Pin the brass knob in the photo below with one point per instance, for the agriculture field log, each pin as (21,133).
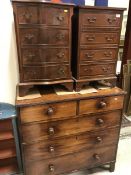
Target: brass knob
(96,156)
(90,38)
(98,139)
(27,16)
(102,104)
(29,36)
(51,149)
(60,36)
(91,20)
(51,168)
(60,18)
(60,55)
(51,131)
(50,111)
(100,121)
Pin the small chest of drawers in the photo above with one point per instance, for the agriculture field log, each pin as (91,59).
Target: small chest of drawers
(95,44)
(64,133)
(43,31)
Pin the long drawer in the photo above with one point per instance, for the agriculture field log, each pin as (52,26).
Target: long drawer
(98,54)
(102,69)
(100,104)
(71,144)
(33,14)
(51,130)
(99,38)
(69,163)
(100,19)
(46,73)
(47,112)
(44,55)
(47,36)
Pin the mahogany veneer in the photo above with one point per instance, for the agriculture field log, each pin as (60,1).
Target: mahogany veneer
(43,31)
(96,33)
(64,133)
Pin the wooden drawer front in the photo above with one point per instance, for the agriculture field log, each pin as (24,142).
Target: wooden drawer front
(39,56)
(68,145)
(47,112)
(6,125)
(57,16)
(8,166)
(94,19)
(44,36)
(99,38)
(98,54)
(76,161)
(39,131)
(97,69)
(46,73)
(100,104)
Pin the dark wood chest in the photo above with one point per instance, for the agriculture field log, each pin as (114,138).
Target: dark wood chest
(64,133)
(43,32)
(96,39)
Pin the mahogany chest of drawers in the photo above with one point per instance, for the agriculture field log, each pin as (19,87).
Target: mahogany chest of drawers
(64,133)
(95,44)
(43,31)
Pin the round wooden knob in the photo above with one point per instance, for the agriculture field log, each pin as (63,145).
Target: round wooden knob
(100,121)
(96,156)
(98,139)
(102,104)
(50,111)
(51,131)
(51,168)
(51,149)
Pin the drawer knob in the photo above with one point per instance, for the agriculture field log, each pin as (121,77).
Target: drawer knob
(50,111)
(61,72)
(51,149)
(89,55)
(96,156)
(51,131)
(111,20)
(99,139)
(60,18)
(29,36)
(51,168)
(92,20)
(31,56)
(60,36)
(109,38)
(90,38)
(102,104)
(27,16)
(108,54)
(60,55)
(100,121)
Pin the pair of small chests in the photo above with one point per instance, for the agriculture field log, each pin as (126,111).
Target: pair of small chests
(64,44)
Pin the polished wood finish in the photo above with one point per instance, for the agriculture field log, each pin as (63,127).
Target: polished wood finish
(95,44)
(43,32)
(64,133)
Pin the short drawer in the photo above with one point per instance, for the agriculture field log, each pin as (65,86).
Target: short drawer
(51,15)
(101,104)
(71,144)
(41,131)
(47,112)
(69,163)
(46,36)
(98,54)
(100,19)
(41,55)
(46,73)
(8,143)
(87,70)
(99,38)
